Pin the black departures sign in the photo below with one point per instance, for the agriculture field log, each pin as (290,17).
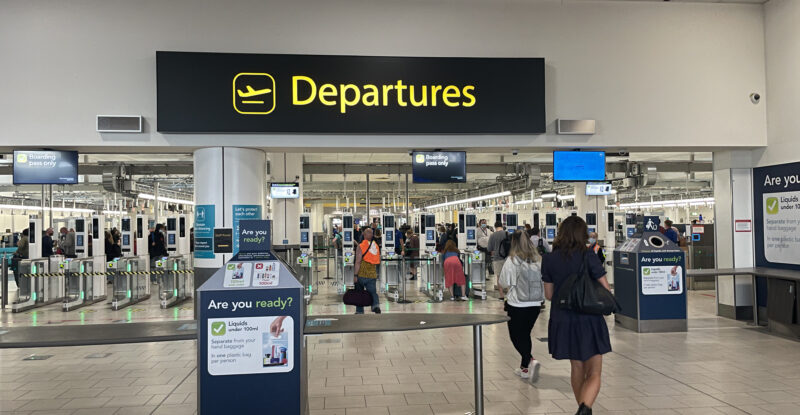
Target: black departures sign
(252,93)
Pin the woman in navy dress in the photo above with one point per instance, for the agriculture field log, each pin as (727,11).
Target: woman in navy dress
(581,338)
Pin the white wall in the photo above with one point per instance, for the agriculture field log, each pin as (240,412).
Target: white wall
(651,73)
(782,21)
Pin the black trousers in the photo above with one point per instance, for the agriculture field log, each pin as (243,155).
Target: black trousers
(519,329)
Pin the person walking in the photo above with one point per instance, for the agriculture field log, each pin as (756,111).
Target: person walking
(454,271)
(522,278)
(581,338)
(411,251)
(368,257)
(541,244)
(495,244)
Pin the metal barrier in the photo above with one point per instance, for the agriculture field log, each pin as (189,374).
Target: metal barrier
(432,277)
(476,271)
(131,281)
(83,286)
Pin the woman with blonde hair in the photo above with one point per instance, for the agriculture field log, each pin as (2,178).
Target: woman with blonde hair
(522,278)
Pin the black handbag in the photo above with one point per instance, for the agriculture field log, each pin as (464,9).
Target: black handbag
(583,294)
(357,297)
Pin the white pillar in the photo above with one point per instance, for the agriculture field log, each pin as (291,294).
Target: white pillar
(286,167)
(596,204)
(225,177)
(318,216)
(733,197)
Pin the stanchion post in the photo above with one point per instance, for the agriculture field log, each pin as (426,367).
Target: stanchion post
(5,283)
(477,340)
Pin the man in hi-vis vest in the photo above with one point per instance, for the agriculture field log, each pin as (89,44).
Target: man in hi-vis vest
(368,257)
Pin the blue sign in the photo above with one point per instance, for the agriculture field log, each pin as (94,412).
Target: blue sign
(243,212)
(204,222)
(631,231)
(551,233)
(651,223)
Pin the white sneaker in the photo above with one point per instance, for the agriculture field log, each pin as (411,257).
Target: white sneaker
(533,370)
(523,373)
(452,298)
(464,298)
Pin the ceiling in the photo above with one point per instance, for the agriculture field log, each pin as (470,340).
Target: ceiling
(703,1)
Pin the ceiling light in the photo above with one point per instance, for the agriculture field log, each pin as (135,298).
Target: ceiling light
(523,202)
(165,199)
(471,199)
(549,195)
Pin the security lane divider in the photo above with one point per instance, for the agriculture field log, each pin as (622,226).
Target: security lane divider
(91,274)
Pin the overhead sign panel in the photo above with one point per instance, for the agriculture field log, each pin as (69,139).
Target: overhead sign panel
(45,167)
(252,93)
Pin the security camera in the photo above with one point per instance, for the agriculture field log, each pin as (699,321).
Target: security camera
(410,152)
(514,152)
(755,97)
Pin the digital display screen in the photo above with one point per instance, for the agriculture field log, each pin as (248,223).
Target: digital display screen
(429,235)
(550,219)
(182,227)
(471,221)
(461,224)
(591,218)
(430,221)
(95,228)
(579,166)
(171,237)
(389,237)
(551,233)
(348,236)
(126,225)
(598,189)
(470,234)
(305,222)
(171,226)
(536,219)
(439,167)
(284,190)
(139,226)
(388,222)
(45,167)
(78,240)
(126,239)
(304,237)
(347,222)
(511,221)
(32,232)
(79,225)
(631,231)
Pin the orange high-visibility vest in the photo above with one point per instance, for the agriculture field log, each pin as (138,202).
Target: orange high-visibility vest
(370,252)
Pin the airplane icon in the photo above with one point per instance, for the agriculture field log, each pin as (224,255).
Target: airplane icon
(252,93)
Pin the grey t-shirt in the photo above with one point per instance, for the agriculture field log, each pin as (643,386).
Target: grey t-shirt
(494,244)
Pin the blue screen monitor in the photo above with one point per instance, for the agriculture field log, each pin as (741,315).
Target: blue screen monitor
(579,166)
(551,233)
(126,239)
(304,237)
(45,167)
(348,236)
(470,234)
(172,239)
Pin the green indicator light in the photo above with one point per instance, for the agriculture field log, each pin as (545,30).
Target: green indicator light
(82,295)
(33,269)
(175,292)
(83,317)
(470,307)
(81,267)
(309,289)
(129,293)
(130,314)
(175,266)
(129,267)
(387,287)
(35,318)
(429,286)
(469,284)
(175,313)
(33,296)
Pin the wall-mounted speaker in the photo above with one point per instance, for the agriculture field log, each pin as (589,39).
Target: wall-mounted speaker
(119,123)
(577,127)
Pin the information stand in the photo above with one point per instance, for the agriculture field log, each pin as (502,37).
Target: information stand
(251,354)
(650,282)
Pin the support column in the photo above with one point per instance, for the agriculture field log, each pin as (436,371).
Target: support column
(223,178)
(733,197)
(318,217)
(286,167)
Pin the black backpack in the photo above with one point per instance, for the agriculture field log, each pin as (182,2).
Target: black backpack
(540,247)
(505,247)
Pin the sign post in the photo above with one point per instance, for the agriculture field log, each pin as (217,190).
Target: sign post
(251,356)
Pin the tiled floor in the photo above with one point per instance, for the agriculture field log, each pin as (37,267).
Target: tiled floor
(719,367)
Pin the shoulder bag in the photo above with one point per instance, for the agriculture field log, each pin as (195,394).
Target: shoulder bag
(583,294)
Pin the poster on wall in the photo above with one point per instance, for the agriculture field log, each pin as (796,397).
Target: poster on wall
(204,221)
(243,212)
(776,194)
(662,274)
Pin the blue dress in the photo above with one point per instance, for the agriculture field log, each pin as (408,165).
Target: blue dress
(572,335)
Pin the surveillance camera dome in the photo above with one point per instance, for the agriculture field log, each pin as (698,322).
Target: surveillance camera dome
(755,97)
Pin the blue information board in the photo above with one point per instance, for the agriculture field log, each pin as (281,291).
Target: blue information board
(204,223)
(243,212)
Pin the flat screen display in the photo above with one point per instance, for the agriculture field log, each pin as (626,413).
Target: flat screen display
(591,219)
(579,166)
(388,222)
(78,240)
(182,227)
(45,167)
(430,221)
(348,236)
(598,189)
(32,232)
(305,222)
(439,167)
(79,225)
(304,237)
(139,227)
(126,239)
(347,222)
(284,190)
(171,240)
(171,226)
(126,225)
(471,221)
